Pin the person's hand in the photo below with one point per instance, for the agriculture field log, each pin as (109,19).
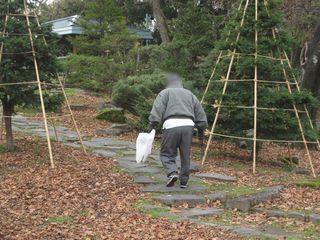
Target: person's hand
(200,133)
(151,125)
(207,133)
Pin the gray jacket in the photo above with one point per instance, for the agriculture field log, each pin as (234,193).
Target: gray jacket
(178,102)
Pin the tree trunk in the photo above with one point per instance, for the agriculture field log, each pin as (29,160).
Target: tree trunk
(8,109)
(310,63)
(161,23)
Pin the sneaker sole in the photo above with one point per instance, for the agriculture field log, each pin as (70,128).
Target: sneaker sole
(172,181)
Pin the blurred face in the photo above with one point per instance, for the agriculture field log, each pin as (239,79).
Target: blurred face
(173,80)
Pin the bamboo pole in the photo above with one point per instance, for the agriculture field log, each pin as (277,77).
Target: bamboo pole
(1,53)
(64,94)
(217,62)
(54,128)
(299,122)
(255,119)
(212,74)
(297,114)
(39,84)
(225,86)
(299,90)
(294,106)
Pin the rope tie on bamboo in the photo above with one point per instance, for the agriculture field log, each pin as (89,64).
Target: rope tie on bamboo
(260,139)
(217,105)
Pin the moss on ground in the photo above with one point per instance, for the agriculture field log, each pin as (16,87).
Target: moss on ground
(155,211)
(310,231)
(70,91)
(60,219)
(199,182)
(2,149)
(309,183)
(114,115)
(234,191)
(116,169)
(29,111)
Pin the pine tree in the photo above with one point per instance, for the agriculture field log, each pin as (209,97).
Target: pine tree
(194,29)
(17,65)
(105,32)
(278,123)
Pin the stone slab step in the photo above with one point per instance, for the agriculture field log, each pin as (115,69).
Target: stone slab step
(315,218)
(148,170)
(130,165)
(156,159)
(216,176)
(200,212)
(217,196)
(144,180)
(161,188)
(154,178)
(245,203)
(127,159)
(251,232)
(103,153)
(179,199)
(107,142)
(131,153)
(266,232)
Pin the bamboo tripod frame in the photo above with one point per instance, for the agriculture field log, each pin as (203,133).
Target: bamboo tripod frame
(41,85)
(282,59)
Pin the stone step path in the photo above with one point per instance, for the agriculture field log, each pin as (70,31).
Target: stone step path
(216,176)
(161,188)
(246,203)
(193,213)
(300,216)
(179,199)
(151,176)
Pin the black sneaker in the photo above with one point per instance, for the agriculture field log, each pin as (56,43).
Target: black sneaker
(183,185)
(172,179)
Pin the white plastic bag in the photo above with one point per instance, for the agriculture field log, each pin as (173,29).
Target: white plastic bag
(144,146)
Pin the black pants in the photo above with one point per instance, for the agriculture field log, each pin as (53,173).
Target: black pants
(172,140)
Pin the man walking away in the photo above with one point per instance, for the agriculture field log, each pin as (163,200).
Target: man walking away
(179,111)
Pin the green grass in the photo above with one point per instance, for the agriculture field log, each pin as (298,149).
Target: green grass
(70,91)
(116,169)
(154,212)
(28,111)
(2,149)
(120,153)
(234,191)
(40,162)
(199,182)
(84,213)
(61,219)
(311,183)
(311,232)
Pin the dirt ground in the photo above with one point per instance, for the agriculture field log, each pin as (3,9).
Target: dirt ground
(85,197)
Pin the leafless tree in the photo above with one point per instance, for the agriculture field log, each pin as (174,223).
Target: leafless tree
(310,63)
